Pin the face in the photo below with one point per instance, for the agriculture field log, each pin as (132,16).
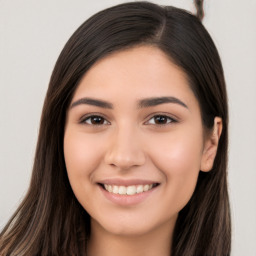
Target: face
(134,142)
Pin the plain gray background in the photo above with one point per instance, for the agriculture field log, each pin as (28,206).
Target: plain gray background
(32,34)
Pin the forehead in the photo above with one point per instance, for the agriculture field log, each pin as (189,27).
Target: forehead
(139,72)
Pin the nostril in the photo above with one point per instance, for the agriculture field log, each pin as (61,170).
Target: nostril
(125,155)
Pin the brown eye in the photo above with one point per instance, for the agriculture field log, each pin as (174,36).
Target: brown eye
(161,120)
(95,120)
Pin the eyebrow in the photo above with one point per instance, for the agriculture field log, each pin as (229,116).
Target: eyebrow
(93,102)
(150,102)
(144,103)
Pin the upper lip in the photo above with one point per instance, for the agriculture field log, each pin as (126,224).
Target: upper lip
(122,182)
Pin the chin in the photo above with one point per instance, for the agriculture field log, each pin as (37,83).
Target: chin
(130,225)
(129,230)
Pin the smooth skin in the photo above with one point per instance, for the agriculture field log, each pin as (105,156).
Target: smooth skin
(125,139)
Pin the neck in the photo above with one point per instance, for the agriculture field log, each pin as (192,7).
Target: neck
(154,242)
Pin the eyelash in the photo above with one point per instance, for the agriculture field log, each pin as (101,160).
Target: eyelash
(171,120)
(84,119)
(89,117)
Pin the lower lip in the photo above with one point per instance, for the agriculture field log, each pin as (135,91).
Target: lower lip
(127,200)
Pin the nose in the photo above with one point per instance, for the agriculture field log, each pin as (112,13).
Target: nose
(125,150)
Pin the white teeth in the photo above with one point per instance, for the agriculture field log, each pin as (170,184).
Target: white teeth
(145,188)
(129,190)
(122,190)
(114,189)
(139,189)
(110,188)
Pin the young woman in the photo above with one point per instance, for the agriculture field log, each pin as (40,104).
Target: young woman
(132,151)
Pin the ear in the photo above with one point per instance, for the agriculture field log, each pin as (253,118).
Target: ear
(211,146)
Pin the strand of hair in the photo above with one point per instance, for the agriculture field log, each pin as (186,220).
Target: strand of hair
(199,9)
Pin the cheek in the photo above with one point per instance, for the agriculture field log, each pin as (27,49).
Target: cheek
(177,153)
(81,157)
(178,158)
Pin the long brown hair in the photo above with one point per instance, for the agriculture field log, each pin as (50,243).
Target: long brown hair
(50,221)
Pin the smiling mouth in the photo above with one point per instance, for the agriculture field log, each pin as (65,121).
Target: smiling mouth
(128,190)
